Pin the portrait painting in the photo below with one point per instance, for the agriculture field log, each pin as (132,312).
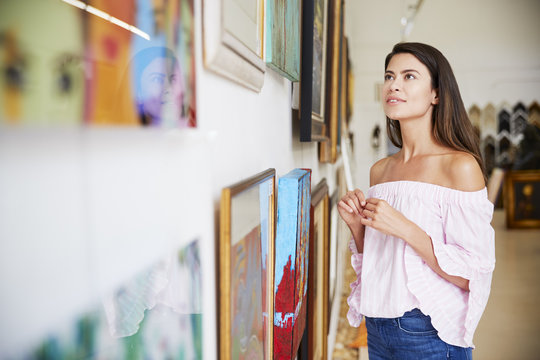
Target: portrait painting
(126,62)
(144,76)
(522,198)
(42,81)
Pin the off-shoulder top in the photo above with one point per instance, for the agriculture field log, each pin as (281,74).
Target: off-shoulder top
(392,279)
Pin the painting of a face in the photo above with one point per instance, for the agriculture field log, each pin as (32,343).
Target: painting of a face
(161,92)
(61,64)
(41,69)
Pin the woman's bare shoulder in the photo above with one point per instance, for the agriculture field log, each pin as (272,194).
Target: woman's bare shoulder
(463,171)
(378,169)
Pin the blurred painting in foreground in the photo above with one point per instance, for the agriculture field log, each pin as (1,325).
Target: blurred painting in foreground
(125,62)
(155,315)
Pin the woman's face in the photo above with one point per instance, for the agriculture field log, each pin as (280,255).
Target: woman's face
(161,90)
(407,91)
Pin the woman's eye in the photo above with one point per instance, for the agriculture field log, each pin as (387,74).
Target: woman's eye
(410,77)
(388,77)
(158,79)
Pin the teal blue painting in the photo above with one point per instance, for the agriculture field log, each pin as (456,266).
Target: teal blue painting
(291,264)
(283,37)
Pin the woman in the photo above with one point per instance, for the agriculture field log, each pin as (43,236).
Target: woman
(423,247)
(159,87)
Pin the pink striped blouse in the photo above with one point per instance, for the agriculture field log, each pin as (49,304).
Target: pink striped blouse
(392,279)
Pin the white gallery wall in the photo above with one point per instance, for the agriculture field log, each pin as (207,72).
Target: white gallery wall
(83,209)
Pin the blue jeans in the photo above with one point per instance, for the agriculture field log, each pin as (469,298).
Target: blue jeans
(410,337)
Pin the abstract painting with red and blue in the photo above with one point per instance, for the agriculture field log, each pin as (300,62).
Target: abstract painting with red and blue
(291,262)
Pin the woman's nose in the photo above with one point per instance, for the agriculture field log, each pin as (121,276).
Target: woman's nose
(395,85)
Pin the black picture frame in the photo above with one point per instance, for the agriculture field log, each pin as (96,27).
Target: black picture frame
(312,124)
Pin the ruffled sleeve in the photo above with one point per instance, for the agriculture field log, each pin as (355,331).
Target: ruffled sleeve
(353,315)
(465,247)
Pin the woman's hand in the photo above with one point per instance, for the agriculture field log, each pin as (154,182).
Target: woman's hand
(382,217)
(350,209)
(379,215)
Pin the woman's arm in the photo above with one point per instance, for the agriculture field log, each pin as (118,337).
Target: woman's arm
(384,218)
(420,241)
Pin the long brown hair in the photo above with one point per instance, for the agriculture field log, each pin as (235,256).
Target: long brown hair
(450,122)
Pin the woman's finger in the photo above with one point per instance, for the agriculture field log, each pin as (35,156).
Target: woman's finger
(373,201)
(368,213)
(370,206)
(345,207)
(356,202)
(366,222)
(353,205)
(360,196)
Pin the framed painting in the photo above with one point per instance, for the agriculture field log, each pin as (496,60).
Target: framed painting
(234,40)
(328,149)
(246,251)
(318,276)
(145,76)
(291,262)
(522,199)
(313,71)
(283,37)
(155,314)
(41,57)
(126,62)
(339,236)
(350,86)
(334,282)
(349,163)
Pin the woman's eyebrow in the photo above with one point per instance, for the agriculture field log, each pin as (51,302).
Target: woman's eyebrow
(410,70)
(403,71)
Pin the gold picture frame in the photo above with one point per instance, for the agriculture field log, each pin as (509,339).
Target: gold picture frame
(318,278)
(522,198)
(246,268)
(328,149)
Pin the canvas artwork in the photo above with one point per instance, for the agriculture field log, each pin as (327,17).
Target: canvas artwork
(234,40)
(283,37)
(522,199)
(127,62)
(318,277)
(333,246)
(291,262)
(329,149)
(246,269)
(313,77)
(42,79)
(157,314)
(144,76)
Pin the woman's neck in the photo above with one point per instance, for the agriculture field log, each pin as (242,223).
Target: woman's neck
(418,139)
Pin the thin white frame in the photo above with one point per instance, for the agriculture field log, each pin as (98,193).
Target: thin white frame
(224,54)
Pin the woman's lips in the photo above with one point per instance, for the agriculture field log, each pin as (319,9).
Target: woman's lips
(394,100)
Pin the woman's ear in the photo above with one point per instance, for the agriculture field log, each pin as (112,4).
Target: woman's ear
(435,100)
